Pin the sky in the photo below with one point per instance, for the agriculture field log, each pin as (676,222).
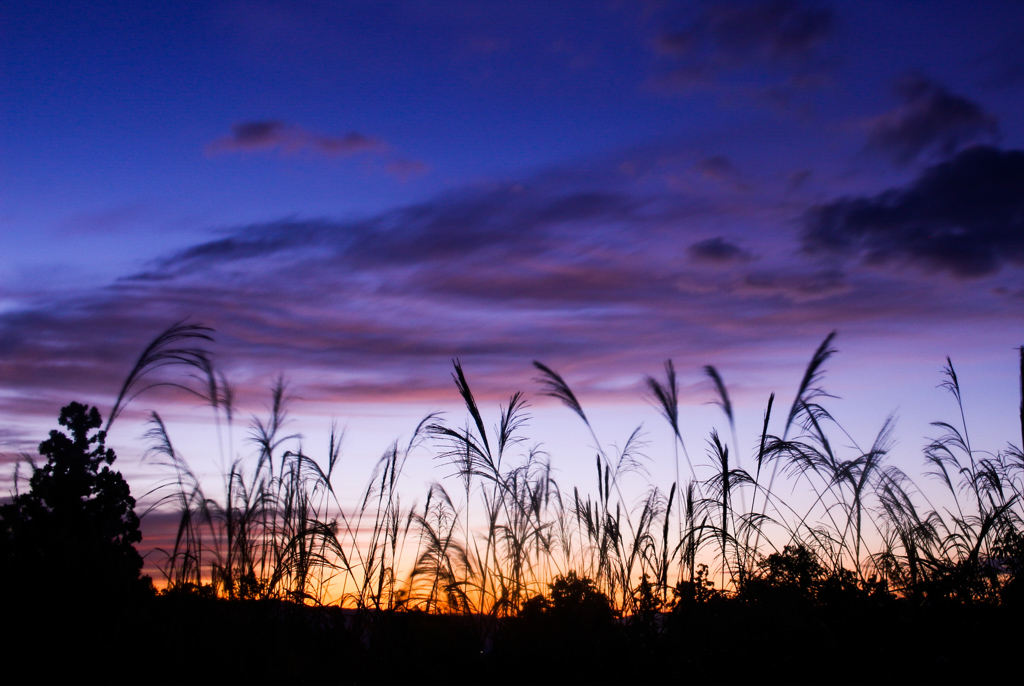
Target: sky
(354,194)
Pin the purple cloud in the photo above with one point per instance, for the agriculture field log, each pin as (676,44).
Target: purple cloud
(717,167)
(565,265)
(931,122)
(772,31)
(799,286)
(732,37)
(717,251)
(250,136)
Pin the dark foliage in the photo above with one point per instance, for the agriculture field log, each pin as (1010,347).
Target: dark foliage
(699,590)
(567,632)
(793,575)
(77,523)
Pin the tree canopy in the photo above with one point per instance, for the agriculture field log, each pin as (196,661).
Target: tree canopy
(75,529)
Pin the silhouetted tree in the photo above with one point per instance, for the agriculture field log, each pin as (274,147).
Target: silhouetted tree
(567,633)
(573,599)
(74,532)
(792,576)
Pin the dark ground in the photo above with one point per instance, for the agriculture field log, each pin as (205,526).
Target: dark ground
(187,638)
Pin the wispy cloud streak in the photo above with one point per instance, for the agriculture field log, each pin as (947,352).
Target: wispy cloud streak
(573,263)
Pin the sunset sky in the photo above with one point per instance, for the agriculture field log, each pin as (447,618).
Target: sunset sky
(353,194)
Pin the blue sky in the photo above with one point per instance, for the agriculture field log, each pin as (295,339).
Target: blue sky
(354,194)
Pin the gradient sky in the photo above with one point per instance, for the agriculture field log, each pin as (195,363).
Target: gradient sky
(355,193)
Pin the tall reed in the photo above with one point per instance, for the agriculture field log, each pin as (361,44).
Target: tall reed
(498,528)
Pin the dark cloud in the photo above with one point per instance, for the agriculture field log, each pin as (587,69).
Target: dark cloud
(256,134)
(510,223)
(721,169)
(732,36)
(764,31)
(248,242)
(798,286)
(964,216)
(717,251)
(717,167)
(289,139)
(930,122)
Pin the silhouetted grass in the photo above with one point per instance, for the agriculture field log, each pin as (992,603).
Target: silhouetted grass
(511,529)
(500,568)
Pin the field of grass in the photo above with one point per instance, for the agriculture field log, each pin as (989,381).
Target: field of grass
(500,530)
(500,562)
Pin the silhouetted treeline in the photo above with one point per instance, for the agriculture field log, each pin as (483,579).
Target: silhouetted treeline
(165,638)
